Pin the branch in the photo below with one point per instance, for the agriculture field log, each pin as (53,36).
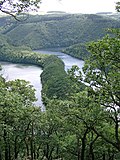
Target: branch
(15,15)
(11,14)
(106,139)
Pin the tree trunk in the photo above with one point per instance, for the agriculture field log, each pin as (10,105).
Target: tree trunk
(83,139)
(6,145)
(31,149)
(27,148)
(15,148)
(31,142)
(117,134)
(9,153)
(91,153)
(104,156)
(78,148)
(47,151)
(83,148)
(0,154)
(38,152)
(34,154)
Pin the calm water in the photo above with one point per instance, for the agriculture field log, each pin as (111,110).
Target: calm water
(32,73)
(68,60)
(29,73)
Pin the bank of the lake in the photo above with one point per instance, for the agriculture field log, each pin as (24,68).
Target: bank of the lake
(32,73)
(68,60)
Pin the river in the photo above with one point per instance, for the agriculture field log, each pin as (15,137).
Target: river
(69,61)
(29,73)
(32,73)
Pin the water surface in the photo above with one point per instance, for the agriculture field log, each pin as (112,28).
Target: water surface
(29,73)
(68,60)
(32,73)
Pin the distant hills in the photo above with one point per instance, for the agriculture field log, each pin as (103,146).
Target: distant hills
(56,12)
(104,13)
(57,30)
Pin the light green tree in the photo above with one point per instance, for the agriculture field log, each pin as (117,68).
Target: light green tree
(102,73)
(18,119)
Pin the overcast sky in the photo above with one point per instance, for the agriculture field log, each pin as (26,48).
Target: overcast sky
(78,6)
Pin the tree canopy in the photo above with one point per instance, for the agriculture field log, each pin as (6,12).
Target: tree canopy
(118,6)
(78,124)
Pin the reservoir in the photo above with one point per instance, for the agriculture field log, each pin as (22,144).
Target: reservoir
(32,73)
(69,61)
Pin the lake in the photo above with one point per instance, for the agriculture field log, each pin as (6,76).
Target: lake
(69,61)
(32,73)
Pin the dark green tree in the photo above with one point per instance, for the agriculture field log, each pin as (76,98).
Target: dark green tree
(118,6)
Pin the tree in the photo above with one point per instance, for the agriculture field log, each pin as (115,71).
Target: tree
(118,6)
(68,129)
(102,73)
(18,119)
(14,7)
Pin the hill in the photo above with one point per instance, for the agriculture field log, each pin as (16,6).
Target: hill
(77,50)
(58,30)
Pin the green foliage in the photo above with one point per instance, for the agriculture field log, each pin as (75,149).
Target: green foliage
(3,41)
(80,122)
(75,120)
(17,113)
(118,6)
(60,30)
(55,81)
(103,74)
(78,51)
(21,54)
(90,119)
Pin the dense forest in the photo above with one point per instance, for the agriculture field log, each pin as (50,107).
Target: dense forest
(82,116)
(60,30)
(78,50)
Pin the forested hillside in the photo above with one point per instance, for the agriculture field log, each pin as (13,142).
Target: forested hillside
(77,50)
(81,122)
(60,30)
